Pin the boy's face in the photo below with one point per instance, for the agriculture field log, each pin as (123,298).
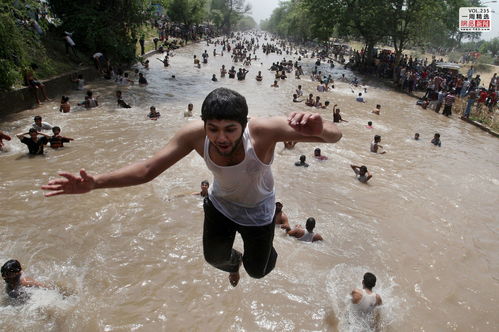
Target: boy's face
(225,135)
(56,132)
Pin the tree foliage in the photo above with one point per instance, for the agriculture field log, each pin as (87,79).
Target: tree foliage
(100,25)
(188,12)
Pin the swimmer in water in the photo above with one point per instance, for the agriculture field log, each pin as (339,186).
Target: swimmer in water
(12,275)
(299,233)
(365,300)
(214,78)
(377,110)
(295,99)
(289,145)
(302,162)
(259,77)
(375,146)
(416,136)
(120,101)
(205,185)
(361,173)
(188,111)
(57,141)
(318,155)
(275,85)
(436,140)
(153,114)
(369,125)
(280,218)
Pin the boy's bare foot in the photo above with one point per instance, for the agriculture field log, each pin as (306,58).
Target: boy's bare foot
(234,278)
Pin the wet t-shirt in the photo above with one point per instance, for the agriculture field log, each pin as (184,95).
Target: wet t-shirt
(35,147)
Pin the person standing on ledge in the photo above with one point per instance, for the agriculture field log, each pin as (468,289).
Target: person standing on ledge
(240,155)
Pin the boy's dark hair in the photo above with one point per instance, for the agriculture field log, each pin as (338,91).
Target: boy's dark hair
(37,117)
(225,104)
(32,130)
(11,266)
(370,123)
(205,182)
(369,280)
(310,225)
(56,128)
(437,135)
(362,170)
(89,93)
(377,138)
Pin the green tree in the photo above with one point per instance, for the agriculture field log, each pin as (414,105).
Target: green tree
(100,25)
(188,12)
(231,10)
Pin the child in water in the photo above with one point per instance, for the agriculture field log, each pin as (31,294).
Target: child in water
(12,275)
(436,140)
(361,173)
(302,161)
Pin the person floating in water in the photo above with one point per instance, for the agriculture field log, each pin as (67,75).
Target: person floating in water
(365,300)
(35,144)
(280,218)
(57,141)
(318,155)
(15,282)
(302,162)
(416,136)
(436,140)
(375,146)
(153,114)
(205,185)
(239,201)
(361,173)
(299,233)
(120,101)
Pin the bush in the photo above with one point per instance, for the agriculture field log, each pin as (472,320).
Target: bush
(8,74)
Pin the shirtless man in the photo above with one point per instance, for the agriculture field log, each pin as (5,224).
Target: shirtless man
(377,110)
(280,218)
(188,111)
(375,146)
(12,275)
(299,233)
(239,201)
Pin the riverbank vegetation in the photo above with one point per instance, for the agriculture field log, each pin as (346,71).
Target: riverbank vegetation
(401,24)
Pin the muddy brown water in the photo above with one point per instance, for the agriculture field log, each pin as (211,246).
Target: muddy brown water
(131,259)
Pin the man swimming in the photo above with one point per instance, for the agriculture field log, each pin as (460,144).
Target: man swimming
(299,233)
(239,201)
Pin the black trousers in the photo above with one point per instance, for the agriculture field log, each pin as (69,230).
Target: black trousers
(219,232)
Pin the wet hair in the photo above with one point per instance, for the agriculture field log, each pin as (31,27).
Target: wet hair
(317,150)
(370,123)
(56,128)
(362,170)
(437,135)
(152,108)
(360,94)
(11,266)
(378,106)
(225,104)
(310,224)
(377,138)
(38,118)
(89,93)
(369,280)
(326,102)
(32,130)
(303,158)
(295,95)
(205,183)
(64,99)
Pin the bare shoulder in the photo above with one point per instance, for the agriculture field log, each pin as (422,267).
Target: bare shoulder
(378,300)
(356,295)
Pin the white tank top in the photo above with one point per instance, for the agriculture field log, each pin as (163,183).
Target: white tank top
(367,302)
(244,193)
(307,237)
